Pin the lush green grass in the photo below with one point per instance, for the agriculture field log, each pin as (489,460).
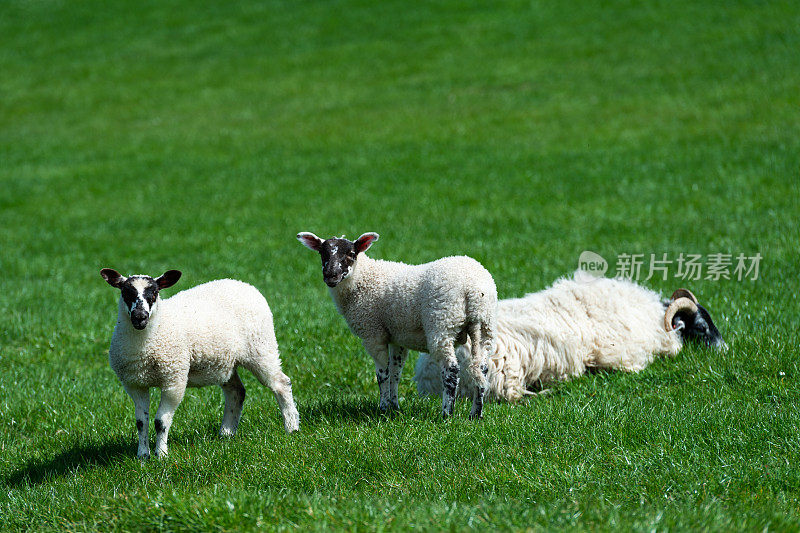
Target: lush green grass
(151,135)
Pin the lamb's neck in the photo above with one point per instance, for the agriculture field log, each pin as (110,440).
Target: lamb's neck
(357,283)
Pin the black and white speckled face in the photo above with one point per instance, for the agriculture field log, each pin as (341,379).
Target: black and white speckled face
(338,257)
(140,293)
(338,254)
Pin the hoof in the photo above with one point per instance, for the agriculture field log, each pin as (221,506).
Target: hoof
(291,422)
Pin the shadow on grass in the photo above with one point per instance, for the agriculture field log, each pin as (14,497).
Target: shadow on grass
(83,456)
(78,457)
(345,409)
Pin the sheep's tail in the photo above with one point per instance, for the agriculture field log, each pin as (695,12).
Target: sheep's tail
(481,337)
(481,310)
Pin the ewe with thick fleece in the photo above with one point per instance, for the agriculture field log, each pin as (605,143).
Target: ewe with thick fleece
(579,323)
(196,338)
(394,307)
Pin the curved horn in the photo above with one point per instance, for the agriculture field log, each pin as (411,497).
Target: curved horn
(681,304)
(684,293)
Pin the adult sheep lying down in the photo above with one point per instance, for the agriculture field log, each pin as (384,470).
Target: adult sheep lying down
(581,323)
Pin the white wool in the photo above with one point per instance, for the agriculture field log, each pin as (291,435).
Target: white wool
(412,305)
(553,335)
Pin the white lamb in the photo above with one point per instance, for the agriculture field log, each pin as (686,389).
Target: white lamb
(581,323)
(197,337)
(394,307)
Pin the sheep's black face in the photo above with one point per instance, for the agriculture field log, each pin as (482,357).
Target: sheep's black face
(338,257)
(140,293)
(338,254)
(699,327)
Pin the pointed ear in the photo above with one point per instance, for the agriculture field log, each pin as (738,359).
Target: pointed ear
(112,277)
(365,241)
(168,279)
(309,240)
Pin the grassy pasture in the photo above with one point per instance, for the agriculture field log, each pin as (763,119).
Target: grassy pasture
(150,135)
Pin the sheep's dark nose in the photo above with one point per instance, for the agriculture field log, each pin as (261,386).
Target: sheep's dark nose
(139,319)
(332,276)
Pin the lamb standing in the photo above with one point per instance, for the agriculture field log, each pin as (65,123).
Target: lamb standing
(197,337)
(394,307)
(581,323)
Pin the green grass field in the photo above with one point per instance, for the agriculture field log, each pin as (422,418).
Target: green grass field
(149,135)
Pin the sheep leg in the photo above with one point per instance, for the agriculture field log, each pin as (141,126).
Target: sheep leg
(477,371)
(141,401)
(445,352)
(380,354)
(281,386)
(171,398)
(397,358)
(234,393)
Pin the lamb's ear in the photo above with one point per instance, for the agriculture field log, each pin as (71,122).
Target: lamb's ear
(309,240)
(112,277)
(365,241)
(168,279)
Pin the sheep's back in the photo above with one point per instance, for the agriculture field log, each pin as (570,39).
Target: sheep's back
(219,316)
(456,280)
(618,321)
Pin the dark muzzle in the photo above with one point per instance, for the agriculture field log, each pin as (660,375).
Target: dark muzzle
(139,319)
(332,277)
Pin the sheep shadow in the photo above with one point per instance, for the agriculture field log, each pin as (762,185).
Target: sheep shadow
(350,409)
(80,457)
(76,458)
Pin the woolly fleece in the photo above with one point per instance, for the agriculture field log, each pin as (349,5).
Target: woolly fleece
(578,323)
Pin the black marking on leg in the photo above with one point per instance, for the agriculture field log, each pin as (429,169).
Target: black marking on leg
(450,385)
(139,424)
(382,376)
(485,370)
(450,380)
(159,425)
